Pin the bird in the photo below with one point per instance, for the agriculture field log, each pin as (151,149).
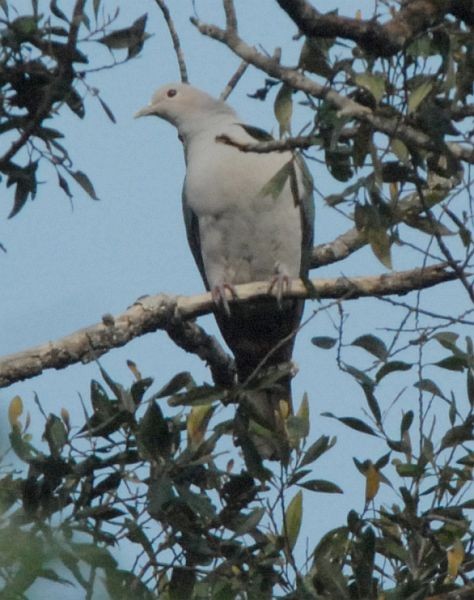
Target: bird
(249,217)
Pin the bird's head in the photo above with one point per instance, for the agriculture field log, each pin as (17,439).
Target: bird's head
(180,103)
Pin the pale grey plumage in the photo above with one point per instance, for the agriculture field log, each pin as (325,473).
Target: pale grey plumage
(238,233)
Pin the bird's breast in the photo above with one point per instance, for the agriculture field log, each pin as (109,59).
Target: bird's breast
(245,234)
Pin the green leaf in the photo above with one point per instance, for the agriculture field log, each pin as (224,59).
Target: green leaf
(459,434)
(55,434)
(63,184)
(25,180)
(198,395)
(409,470)
(400,150)
(297,429)
(372,344)
(303,415)
(447,339)
(258,134)
(418,95)
(314,55)
(330,578)
(84,182)
(319,447)
(139,389)
(57,12)
(390,367)
(373,404)
(427,225)
(375,84)
(380,244)
(321,485)
(250,521)
(154,438)
(452,363)
(353,423)
(324,342)
(94,555)
(362,141)
(359,375)
(75,103)
(406,422)
(291,481)
(275,185)
(131,37)
(398,445)
(470,387)
(293,518)
(175,384)
(119,583)
(283,108)
(427,385)
(160,494)
(467,460)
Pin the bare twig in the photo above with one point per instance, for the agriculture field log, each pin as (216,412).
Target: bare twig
(175,38)
(234,80)
(153,313)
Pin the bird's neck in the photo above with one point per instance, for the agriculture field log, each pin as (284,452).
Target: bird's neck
(203,128)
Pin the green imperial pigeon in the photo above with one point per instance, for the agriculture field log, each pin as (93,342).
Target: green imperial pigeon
(249,217)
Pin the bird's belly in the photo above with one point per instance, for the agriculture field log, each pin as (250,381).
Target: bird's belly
(241,247)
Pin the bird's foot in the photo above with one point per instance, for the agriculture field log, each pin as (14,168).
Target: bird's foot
(218,294)
(279,283)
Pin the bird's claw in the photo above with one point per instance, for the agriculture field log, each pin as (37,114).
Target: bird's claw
(279,284)
(218,294)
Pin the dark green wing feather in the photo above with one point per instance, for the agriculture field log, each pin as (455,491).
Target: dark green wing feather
(307,215)
(192,233)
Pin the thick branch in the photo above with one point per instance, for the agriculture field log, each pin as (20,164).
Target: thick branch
(381,39)
(152,313)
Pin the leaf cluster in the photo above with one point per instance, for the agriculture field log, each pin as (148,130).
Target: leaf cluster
(43,67)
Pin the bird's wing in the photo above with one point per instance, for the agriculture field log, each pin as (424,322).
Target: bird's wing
(192,233)
(303,189)
(307,210)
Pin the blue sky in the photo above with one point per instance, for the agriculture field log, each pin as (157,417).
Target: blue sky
(69,264)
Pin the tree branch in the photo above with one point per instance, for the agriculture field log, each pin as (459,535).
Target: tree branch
(393,127)
(175,39)
(163,312)
(234,80)
(385,39)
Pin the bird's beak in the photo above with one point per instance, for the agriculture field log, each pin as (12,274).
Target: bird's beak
(146,111)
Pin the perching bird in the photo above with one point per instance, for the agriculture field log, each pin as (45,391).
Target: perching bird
(249,217)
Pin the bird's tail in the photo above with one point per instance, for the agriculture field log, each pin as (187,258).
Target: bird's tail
(262,335)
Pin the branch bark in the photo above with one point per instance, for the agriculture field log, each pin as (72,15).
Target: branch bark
(165,312)
(381,39)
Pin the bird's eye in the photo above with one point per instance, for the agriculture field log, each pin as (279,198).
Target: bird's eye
(171,92)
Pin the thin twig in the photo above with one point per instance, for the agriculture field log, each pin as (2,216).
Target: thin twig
(234,80)
(175,38)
